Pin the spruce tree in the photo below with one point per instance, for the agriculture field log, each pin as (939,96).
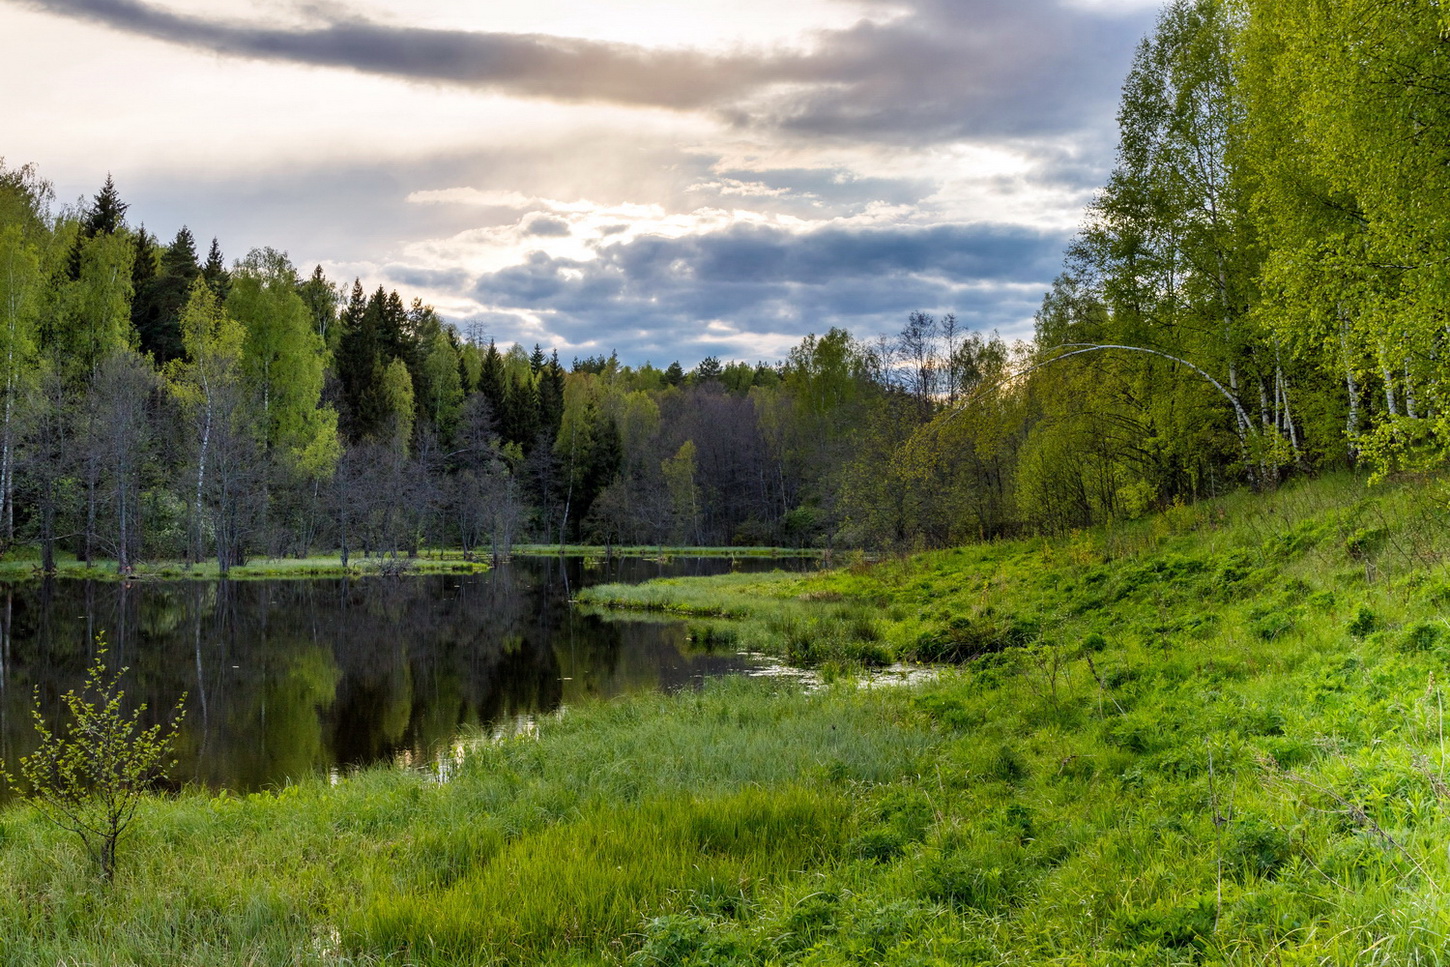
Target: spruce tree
(215,271)
(490,379)
(521,413)
(104,216)
(107,214)
(360,364)
(143,266)
(393,342)
(551,397)
(156,309)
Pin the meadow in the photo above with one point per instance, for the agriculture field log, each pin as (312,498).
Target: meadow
(1212,736)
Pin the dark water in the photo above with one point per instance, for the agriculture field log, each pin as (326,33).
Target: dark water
(290,678)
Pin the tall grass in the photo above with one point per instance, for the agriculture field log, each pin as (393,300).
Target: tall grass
(534,847)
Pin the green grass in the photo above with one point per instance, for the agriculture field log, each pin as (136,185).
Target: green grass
(778,613)
(533,849)
(23,563)
(1215,736)
(432,562)
(662,551)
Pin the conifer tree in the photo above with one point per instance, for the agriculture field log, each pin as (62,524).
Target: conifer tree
(143,266)
(551,396)
(214,270)
(520,412)
(392,327)
(104,216)
(491,379)
(359,368)
(156,308)
(107,214)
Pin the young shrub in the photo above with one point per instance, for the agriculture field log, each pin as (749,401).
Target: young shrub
(90,777)
(1364,622)
(1420,637)
(1256,848)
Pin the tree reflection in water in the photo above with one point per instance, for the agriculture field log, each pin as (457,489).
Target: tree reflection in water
(293,678)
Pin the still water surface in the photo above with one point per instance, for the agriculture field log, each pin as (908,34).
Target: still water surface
(290,678)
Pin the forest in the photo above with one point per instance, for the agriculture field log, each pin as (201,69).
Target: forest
(1257,292)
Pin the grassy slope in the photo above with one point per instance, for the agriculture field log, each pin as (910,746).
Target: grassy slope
(1211,737)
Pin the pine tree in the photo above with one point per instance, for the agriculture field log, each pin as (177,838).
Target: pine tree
(708,369)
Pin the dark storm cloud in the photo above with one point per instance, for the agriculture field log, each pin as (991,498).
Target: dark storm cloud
(946,69)
(655,297)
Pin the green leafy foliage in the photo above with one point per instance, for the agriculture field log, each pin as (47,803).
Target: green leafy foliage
(90,776)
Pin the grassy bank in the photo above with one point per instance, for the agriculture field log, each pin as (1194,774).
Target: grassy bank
(1215,736)
(25,567)
(23,563)
(663,551)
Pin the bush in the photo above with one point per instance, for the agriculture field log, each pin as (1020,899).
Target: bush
(1364,622)
(90,778)
(1256,848)
(1420,637)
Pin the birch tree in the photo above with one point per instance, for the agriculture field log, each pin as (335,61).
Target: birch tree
(208,385)
(283,361)
(1348,110)
(20,285)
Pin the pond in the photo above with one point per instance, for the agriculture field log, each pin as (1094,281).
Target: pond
(286,679)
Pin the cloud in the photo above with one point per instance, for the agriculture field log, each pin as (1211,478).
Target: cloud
(943,69)
(561,68)
(753,291)
(547,227)
(490,198)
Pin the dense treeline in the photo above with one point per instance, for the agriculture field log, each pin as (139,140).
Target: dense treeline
(1259,290)
(162,405)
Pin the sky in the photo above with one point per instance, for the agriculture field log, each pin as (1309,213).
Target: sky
(664,179)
